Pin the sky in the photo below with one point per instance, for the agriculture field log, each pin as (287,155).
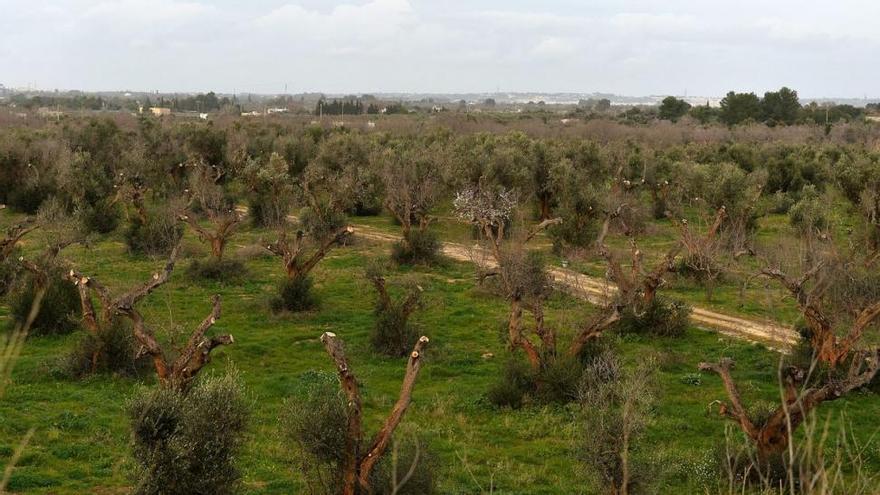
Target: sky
(627,47)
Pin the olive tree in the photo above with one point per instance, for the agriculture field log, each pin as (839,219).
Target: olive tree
(413,186)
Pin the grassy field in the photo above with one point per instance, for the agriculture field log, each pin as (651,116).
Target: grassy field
(82,439)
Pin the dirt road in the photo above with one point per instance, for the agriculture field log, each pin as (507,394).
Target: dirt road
(597,291)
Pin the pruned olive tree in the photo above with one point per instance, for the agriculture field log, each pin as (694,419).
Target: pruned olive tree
(617,406)
(270,190)
(522,277)
(303,243)
(413,186)
(44,272)
(217,206)
(359,459)
(703,249)
(841,358)
(175,368)
(771,435)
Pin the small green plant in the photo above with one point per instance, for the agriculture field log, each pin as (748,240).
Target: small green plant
(153,235)
(176,449)
(393,334)
(112,350)
(294,294)
(59,313)
(661,317)
(227,271)
(315,421)
(511,388)
(418,247)
(693,379)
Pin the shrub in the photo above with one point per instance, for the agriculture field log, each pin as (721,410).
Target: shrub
(511,388)
(155,237)
(558,380)
(59,311)
(810,214)
(316,422)
(176,449)
(321,226)
(101,218)
(9,271)
(228,271)
(419,246)
(294,294)
(115,348)
(28,199)
(266,210)
(393,334)
(661,318)
(615,405)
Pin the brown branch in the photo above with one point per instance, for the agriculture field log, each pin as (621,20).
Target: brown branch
(196,354)
(324,248)
(132,297)
(594,330)
(382,439)
(347,380)
(13,235)
(735,411)
(150,344)
(540,227)
(378,282)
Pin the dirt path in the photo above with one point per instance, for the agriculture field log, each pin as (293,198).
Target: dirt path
(597,291)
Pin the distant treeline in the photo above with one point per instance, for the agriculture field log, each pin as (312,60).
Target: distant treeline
(781,107)
(203,102)
(355,106)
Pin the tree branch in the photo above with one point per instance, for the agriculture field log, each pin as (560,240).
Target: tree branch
(380,443)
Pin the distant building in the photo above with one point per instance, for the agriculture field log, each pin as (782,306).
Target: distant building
(251,114)
(161,111)
(270,111)
(49,113)
(203,116)
(371,125)
(872,118)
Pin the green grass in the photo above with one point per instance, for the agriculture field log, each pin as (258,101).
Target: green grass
(82,439)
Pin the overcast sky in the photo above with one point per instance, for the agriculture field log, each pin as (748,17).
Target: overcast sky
(631,47)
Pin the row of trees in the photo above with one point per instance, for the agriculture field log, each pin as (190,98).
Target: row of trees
(774,108)
(512,189)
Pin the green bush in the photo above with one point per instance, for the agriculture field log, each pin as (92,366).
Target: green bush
(156,236)
(810,214)
(316,422)
(60,309)
(27,199)
(558,380)
(515,382)
(10,269)
(101,218)
(227,271)
(294,294)
(115,348)
(661,317)
(187,442)
(266,210)
(393,334)
(418,247)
